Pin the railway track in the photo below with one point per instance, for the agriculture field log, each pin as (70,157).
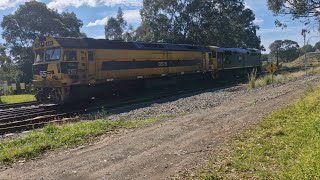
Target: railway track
(18,116)
(27,118)
(17,105)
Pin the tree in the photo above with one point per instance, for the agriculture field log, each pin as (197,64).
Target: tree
(264,57)
(297,8)
(306,9)
(31,20)
(130,34)
(290,50)
(114,29)
(285,50)
(8,71)
(317,46)
(4,58)
(218,22)
(307,48)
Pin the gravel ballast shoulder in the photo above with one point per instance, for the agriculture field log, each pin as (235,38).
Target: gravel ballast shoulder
(177,106)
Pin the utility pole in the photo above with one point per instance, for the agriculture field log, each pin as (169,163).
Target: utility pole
(304,34)
(277,63)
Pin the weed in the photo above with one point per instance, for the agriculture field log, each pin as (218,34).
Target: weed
(252,77)
(267,79)
(104,112)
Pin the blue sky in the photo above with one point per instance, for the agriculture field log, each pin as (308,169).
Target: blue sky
(94,14)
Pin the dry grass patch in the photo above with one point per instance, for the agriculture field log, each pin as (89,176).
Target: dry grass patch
(267,80)
(312,59)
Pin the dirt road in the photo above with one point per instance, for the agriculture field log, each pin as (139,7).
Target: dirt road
(164,148)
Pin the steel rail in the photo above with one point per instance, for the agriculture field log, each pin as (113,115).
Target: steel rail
(16,105)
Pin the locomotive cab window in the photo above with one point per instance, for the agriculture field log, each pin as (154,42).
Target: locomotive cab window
(39,56)
(53,54)
(70,56)
(90,56)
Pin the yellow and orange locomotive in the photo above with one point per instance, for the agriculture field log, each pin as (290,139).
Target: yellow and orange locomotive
(67,69)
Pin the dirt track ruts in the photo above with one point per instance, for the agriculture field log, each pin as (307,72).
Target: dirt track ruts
(164,148)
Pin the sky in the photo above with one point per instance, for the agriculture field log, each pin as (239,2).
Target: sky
(95,13)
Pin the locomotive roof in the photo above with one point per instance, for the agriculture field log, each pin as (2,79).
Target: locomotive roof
(89,43)
(239,50)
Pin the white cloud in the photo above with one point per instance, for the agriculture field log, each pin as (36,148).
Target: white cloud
(258,21)
(124,2)
(247,6)
(6,4)
(253,4)
(61,4)
(279,30)
(98,22)
(131,16)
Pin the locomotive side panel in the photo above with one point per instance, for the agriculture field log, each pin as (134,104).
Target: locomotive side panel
(234,58)
(114,65)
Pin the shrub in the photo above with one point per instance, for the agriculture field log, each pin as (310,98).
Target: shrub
(267,79)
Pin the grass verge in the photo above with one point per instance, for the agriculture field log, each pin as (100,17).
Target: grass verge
(267,80)
(17,98)
(285,146)
(53,136)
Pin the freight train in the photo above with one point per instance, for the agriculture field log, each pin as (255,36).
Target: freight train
(68,69)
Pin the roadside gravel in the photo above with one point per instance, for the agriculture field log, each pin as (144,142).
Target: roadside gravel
(182,105)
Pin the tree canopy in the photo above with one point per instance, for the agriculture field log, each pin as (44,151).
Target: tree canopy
(286,50)
(308,9)
(31,20)
(215,22)
(8,71)
(317,46)
(4,58)
(115,27)
(307,48)
(296,8)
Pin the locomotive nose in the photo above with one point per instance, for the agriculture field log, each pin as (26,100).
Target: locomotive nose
(46,71)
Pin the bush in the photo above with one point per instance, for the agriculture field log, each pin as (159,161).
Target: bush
(267,79)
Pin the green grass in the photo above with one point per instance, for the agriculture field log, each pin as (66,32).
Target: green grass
(17,98)
(53,136)
(286,145)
